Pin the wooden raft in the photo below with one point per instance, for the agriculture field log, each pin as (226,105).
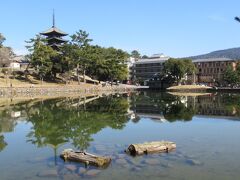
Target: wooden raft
(87,158)
(151,147)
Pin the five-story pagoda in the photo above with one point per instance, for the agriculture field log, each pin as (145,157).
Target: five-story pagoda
(54,36)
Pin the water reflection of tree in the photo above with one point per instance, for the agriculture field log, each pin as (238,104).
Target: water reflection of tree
(8,121)
(7,124)
(3,144)
(171,107)
(57,121)
(179,111)
(232,103)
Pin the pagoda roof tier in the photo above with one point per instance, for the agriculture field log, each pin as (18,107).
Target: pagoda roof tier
(52,31)
(56,39)
(55,46)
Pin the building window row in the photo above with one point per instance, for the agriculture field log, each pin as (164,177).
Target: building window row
(148,70)
(211,70)
(213,64)
(149,65)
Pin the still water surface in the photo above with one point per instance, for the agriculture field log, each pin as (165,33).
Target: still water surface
(206,130)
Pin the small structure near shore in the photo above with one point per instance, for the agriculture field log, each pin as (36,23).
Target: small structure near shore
(83,157)
(151,147)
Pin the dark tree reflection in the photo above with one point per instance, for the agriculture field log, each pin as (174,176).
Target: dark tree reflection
(56,122)
(163,105)
(3,144)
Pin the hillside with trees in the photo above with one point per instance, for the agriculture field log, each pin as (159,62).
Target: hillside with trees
(233,53)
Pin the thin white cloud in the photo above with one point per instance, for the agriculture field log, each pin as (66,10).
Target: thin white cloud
(217,18)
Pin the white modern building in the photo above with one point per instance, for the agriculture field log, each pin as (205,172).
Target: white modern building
(130,63)
(144,69)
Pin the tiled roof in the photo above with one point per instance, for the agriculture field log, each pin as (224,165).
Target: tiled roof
(212,60)
(54,29)
(155,60)
(57,38)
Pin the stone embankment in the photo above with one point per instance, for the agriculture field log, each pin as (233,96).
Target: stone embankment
(62,90)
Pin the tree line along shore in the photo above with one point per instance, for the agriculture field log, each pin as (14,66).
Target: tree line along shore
(75,60)
(53,61)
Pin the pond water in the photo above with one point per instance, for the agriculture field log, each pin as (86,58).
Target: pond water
(206,130)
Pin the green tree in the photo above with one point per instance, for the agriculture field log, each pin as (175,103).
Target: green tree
(6,55)
(231,76)
(42,57)
(238,69)
(106,63)
(98,62)
(115,59)
(145,57)
(67,61)
(190,67)
(81,42)
(81,39)
(99,67)
(2,39)
(135,54)
(178,68)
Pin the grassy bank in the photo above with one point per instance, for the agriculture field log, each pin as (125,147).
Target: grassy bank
(188,88)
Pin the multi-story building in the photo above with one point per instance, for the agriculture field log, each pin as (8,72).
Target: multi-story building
(144,69)
(130,62)
(212,70)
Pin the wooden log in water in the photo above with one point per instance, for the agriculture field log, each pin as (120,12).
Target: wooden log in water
(151,147)
(87,158)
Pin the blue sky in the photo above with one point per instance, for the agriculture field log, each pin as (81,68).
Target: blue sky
(176,28)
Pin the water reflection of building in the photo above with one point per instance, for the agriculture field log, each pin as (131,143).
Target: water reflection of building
(211,106)
(182,108)
(148,111)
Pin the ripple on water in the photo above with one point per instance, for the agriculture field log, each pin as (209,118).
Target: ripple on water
(71,167)
(82,170)
(152,161)
(93,172)
(48,173)
(121,161)
(194,162)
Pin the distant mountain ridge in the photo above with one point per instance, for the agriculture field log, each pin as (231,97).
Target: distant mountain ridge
(233,53)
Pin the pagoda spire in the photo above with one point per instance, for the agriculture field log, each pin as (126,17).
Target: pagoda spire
(54,35)
(53,19)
